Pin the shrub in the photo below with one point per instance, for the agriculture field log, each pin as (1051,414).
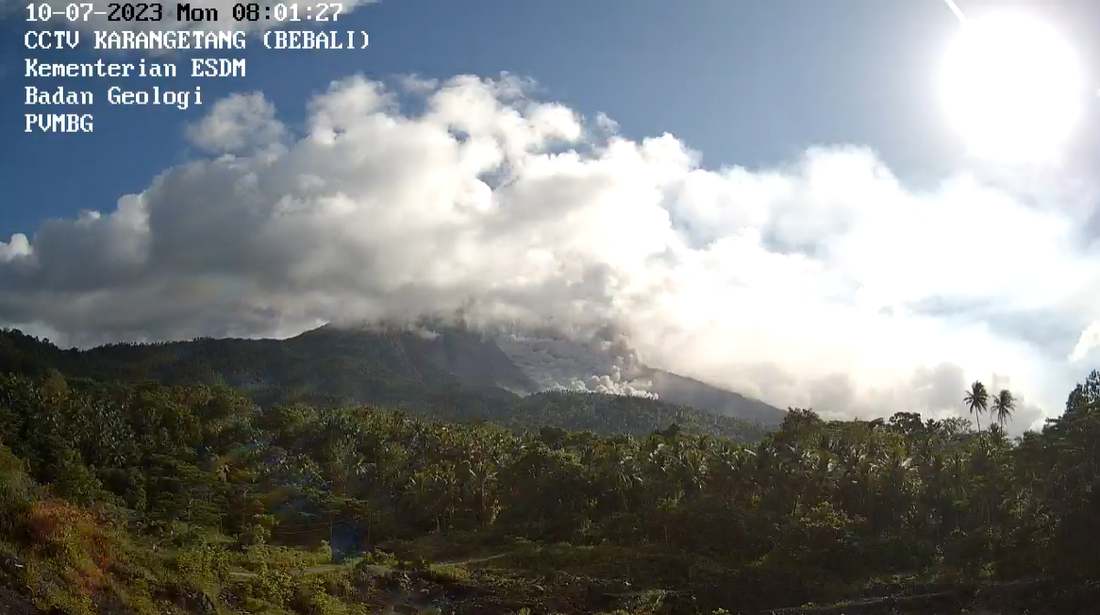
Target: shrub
(16,495)
(72,479)
(203,566)
(310,598)
(74,538)
(379,558)
(271,586)
(15,506)
(253,535)
(324,553)
(449,573)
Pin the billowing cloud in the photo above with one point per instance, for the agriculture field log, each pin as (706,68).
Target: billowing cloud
(610,384)
(17,247)
(554,361)
(239,122)
(824,282)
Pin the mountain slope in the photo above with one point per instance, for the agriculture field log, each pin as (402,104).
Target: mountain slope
(609,366)
(394,365)
(466,357)
(454,376)
(350,366)
(685,391)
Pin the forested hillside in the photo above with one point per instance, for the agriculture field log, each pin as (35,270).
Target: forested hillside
(324,365)
(393,369)
(140,497)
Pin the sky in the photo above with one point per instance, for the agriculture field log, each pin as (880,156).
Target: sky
(764,195)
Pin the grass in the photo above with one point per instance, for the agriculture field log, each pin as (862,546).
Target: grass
(450,573)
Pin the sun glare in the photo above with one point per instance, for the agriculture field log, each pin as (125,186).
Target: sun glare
(1012,86)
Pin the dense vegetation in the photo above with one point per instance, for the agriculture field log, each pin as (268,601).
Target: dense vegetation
(327,368)
(140,497)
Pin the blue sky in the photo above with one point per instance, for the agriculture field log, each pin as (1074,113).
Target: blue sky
(748,83)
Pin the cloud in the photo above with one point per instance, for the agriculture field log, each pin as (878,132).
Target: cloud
(1089,341)
(609,384)
(823,282)
(606,124)
(17,247)
(597,361)
(238,122)
(93,15)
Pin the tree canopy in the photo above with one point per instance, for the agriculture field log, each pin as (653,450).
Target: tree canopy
(94,472)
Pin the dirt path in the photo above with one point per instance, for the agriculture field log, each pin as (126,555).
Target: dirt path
(320,569)
(474,560)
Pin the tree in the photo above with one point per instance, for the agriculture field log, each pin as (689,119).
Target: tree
(1004,404)
(1085,397)
(977,400)
(812,511)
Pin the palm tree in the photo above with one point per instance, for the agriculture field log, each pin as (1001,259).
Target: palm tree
(977,400)
(1004,403)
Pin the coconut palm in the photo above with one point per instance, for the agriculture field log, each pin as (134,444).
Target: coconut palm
(1004,403)
(977,400)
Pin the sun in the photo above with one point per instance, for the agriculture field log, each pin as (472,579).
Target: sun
(1012,86)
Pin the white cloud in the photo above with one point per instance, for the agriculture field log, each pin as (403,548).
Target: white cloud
(823,282)
(16,247)
(609,384)
(1089,341)
(238,122)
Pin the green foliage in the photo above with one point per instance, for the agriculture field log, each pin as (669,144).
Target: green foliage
(271,586)
(449,573)
(16,494)
(203,566)
(311,598)
(379,558)
(324,552)
(72,479)
(92,473)
(328,368)
(257,532)
(615,414)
